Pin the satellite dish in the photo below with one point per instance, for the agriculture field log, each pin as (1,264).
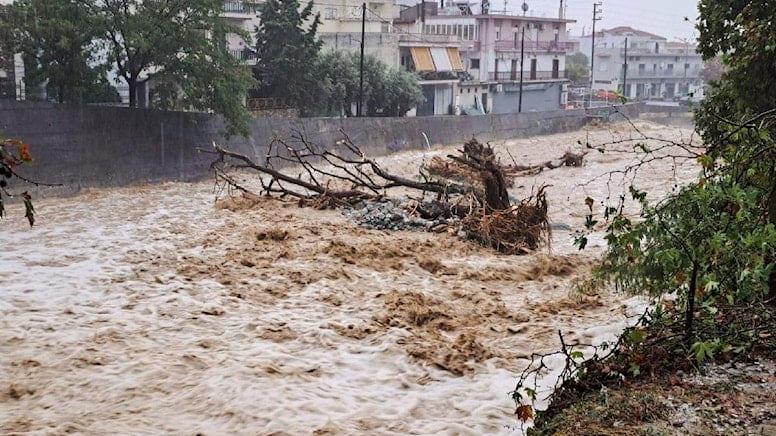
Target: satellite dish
(525,8)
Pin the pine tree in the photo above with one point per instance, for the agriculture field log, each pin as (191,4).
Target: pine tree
(287,49)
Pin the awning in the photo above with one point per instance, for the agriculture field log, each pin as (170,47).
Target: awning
(455,58)
(436,59)
(421,57)
(441,59)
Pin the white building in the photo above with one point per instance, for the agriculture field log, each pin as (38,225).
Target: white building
(491,45)
(242,14)
(340,27)
(657,68)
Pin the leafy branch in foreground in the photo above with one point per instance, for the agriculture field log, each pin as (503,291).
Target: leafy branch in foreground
(14,153)
(704,254)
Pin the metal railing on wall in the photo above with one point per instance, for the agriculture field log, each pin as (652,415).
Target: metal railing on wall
(527,75)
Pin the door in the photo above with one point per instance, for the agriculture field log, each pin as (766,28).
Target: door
(485,102)
(533,69)
(427,107)
(555,68)
(513,74)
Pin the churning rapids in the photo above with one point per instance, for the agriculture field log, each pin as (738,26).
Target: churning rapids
(154,309)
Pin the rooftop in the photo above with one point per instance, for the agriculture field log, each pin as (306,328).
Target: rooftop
(627,31)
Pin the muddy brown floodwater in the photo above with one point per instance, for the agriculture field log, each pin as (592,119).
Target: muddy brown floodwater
(153,309)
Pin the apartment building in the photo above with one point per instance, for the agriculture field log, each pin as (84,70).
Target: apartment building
(656,68)
(491,45)
(245,15)
(341,27)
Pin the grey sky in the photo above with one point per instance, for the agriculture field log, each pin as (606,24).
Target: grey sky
(663,17)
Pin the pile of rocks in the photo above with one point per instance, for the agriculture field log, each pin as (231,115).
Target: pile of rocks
(391,214)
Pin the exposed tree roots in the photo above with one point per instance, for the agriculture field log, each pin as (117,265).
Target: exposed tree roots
(470,188)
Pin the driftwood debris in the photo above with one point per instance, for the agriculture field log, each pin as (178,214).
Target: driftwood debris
(473,192)
(569,159)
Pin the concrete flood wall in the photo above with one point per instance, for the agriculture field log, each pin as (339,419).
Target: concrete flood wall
(110,146)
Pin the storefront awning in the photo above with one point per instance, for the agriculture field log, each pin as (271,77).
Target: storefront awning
(455,58)
(421,57)
(436,59)
(441,59)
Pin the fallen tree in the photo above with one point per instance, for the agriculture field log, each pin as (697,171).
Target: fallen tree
(343,175)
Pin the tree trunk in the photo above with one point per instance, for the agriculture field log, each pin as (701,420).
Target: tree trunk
(132,83)
(769,258)
(688,333)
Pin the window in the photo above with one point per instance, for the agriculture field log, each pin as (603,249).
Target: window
(460,30)
(330,13)
(474,64)
(466,32)
(670,68)
(471,31)
(686,66)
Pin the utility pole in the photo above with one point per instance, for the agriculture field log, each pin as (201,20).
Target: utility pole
(522,47)
(596,17)
(625,70)
(360,104)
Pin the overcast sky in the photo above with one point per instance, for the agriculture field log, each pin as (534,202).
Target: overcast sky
(663,17)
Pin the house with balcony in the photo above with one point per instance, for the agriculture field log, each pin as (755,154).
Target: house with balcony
(491,45)
(657,69)
(245,15)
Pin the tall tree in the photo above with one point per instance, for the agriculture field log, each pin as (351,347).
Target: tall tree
(178,42)
(715,240)
(287,49)
(7,45)
(742,32)
(57,39)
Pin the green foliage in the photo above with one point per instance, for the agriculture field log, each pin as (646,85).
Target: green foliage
(742,32)
(578,68)
(388,91)
(291,67)
(58,41)
(287,49)
(180,45)
(713,243)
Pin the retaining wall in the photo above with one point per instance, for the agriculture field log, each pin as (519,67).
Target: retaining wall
(94,146)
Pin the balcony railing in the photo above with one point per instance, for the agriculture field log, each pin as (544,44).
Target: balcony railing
(243,55)
(239,7)
(533,46)
(634,73)
(527,75)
